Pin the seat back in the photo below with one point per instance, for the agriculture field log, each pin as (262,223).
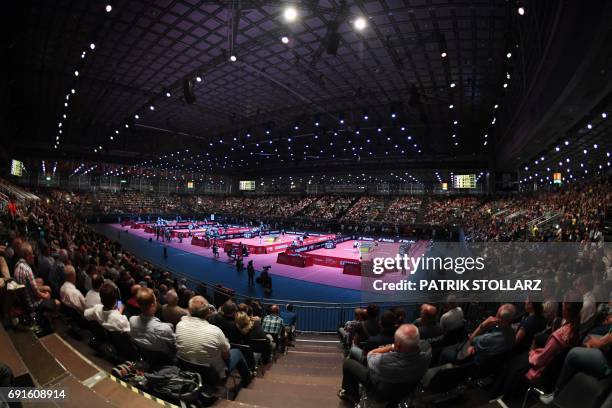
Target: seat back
(76,317)
(123,344)
(393,393)
(207,372)
(99,333)
(454,336)
(583,391)
(448,378)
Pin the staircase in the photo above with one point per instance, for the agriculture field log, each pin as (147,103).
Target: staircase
(308,376)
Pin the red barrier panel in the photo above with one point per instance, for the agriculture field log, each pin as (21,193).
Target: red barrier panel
(352,269)
(294,260)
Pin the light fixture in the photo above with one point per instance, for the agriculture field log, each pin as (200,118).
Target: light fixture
(443,54)
(199,78)
(509,55)
(360,23)
(452,85)
(290,13)
(168,94)
(136,116)
(521,11)
(233,58)
(152,107)
(76,73)
(92,46)
(108,8)
(604,115)
(285,40)
(72,90)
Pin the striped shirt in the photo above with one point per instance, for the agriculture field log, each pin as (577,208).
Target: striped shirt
(200,342)
(23,274)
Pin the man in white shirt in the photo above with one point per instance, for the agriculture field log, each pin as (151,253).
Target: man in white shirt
(584,285)
(200,342)
(92,297)
(69,294)
(453,318)
(106,313)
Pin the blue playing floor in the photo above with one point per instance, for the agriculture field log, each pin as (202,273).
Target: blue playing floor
(214,271)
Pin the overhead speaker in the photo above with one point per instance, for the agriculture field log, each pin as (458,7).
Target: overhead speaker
(188,91)
(333,38)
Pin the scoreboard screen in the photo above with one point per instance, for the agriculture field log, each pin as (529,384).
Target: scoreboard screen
(16,168)
(247,185)
(464,181)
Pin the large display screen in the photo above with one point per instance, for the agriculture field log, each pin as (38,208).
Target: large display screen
(464,181)
(16,168)
(247,185)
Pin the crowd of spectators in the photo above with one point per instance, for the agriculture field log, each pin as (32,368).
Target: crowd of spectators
(515,347)
(55,264)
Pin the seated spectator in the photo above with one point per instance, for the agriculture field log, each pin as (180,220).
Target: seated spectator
(69,294)
(370,325)
(46,263)
(531,324)
(493,337)
(584,285)
(452,319)
(131,306)
(289,320)
(37,298)
(203,343)
(171,312)
(93,296)
(106,312)
(385,336)
(404,362)
(347,332)
(531,364)
(272,324)
(225,321)
(429,329)
(148,332)
(251,330)
(595,359)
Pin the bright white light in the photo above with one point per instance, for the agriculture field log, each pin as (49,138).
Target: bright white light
(72,91)
(509,55)
(521,11)
(152,107)
(136,116)
(233,58)
(109,8)
(168,94)
(452,85)
(604,115)
(92,46)
(589,126)
(443,54)
(505,85)
(285,40)
(290,14)
(360,23)
(76,73)
(496,106)
(451,106)
(199,79)
(455,122)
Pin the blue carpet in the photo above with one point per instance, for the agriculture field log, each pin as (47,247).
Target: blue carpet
(213,271)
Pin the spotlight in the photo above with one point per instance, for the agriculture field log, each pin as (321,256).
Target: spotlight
(521,11)
(451,106)
(92,46)
(360,23)
(233,58)
(443,54)
(109,8)
(604,115)
(152,107)
(505,85)
(496,106)
(199,79)
(365,114)
(589,126)
(285,40)
(168,94)
(76,73)
(72,91)
(452,85)
(290,14)
(136,116)
(455,122)
(509,55)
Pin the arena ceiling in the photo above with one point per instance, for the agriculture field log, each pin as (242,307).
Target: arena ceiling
(443,84)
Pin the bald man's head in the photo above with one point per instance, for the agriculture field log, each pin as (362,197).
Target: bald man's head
(70,274)
(506,313)
(171,298)
(428,313)
(274,309)
(407,338)
(198,307)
